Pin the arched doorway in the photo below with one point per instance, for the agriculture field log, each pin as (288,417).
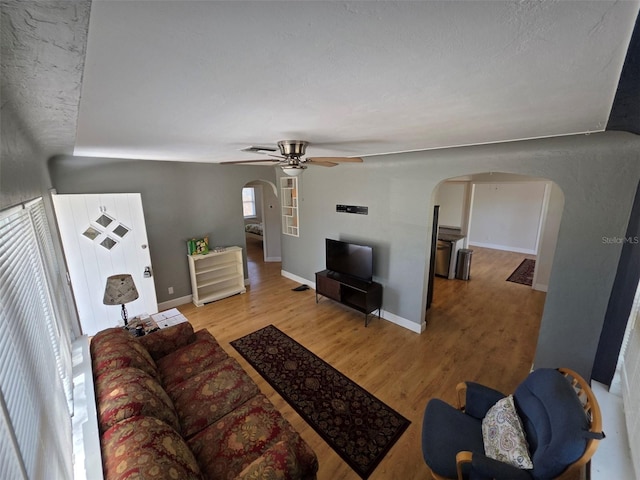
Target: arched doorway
(504,219)
(261,211)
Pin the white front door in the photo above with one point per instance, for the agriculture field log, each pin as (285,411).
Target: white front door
(103,235)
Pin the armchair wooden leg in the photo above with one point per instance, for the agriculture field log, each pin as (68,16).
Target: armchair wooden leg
(461,459)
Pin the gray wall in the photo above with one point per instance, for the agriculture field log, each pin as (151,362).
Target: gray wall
(23,167)
(598,175)
(24,176)
(180,201)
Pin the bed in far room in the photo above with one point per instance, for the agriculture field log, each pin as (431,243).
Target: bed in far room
(253,233)
(253,230)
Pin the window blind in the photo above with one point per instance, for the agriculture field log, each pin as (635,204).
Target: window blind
(35,364)
(249,202)
(630,367)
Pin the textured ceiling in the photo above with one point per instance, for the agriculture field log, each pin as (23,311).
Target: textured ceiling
(43,47)
(199,80)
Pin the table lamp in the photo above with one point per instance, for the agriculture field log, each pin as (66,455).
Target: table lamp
(120,289)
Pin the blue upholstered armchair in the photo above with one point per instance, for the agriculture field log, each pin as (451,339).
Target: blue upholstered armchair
(549,428)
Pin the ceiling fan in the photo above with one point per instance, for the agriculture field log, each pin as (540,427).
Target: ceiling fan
(291,159)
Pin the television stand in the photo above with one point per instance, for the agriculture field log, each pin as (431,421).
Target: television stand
(365,297)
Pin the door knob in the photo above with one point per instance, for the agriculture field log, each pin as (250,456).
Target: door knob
(147,272)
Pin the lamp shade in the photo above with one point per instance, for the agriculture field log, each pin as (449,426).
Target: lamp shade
(120,289)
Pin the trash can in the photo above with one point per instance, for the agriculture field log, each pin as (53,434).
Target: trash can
(463,267)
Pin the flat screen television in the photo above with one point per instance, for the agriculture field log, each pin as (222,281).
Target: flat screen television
(350,259)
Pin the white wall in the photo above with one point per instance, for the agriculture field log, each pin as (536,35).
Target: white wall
(627,379)
(552,215)
(506,216)
(451,197)
(272,222)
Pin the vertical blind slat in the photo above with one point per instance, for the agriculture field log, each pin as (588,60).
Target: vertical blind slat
(35,360)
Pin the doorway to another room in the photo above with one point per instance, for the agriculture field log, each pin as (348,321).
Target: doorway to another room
(501,220)
(261,212)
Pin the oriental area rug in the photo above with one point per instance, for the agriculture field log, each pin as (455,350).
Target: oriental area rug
(358,426)
(524,273)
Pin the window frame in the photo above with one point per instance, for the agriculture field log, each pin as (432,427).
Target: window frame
(249,202)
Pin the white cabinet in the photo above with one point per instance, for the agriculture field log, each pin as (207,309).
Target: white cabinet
(289,194)
(216,275)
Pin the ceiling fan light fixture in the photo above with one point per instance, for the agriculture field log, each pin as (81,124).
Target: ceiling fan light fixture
(293,170)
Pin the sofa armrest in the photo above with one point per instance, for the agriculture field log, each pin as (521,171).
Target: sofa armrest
(477,398)
(166,340)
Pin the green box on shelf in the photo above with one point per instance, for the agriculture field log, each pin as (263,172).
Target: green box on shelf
(198,246)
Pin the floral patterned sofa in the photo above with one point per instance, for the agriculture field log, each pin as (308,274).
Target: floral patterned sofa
(174,405)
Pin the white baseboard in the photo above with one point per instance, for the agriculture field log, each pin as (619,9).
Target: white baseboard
(273,259)
(298,279)
(403,322)
(176,302)
(505,248)
(541,287)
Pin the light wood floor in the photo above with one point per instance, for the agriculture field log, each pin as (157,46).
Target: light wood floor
(483,330)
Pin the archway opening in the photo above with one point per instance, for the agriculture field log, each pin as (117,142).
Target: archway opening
(497,221)
(261,212)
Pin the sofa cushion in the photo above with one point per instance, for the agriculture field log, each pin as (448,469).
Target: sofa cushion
(130,392)
(166,340)
(190,360)
(277,463)
(116,348)
(228,446)
(210,395)
(146,448)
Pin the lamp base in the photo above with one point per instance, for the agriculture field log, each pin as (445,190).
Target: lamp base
(124,316)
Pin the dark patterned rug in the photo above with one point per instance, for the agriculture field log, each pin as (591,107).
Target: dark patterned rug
(358,426)
(524,273)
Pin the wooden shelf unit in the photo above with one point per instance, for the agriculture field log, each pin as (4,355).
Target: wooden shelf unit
(289,205)
(216,275)
(365,297)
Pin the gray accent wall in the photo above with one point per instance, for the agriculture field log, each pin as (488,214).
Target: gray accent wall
(23,167)
(180,201)
(24,176)
(597,174)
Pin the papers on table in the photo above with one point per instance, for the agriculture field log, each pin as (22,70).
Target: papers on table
(168,318)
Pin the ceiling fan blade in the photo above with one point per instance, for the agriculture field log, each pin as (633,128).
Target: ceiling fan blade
(262,161)
(335,159)
(320,163)
(259,149)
